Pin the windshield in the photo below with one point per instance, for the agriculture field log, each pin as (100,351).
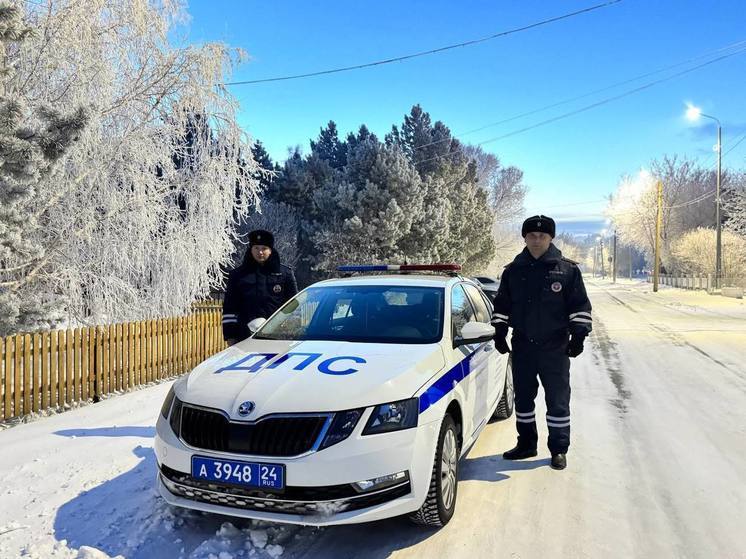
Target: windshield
(366,313)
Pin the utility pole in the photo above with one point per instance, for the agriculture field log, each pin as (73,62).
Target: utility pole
(630,261)
(658,226)
(718,249)
(613,261)
(595,257)
(693,113)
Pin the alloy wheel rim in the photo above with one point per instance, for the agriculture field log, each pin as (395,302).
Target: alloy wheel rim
(449,460)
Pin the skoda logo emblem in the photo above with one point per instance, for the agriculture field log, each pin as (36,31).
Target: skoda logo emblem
(246,408)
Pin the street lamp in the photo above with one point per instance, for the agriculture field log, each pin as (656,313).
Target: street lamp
(693,113)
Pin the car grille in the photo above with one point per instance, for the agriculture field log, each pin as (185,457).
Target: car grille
(273,436)
(316,501)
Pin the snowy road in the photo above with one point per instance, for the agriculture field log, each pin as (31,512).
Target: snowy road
(657,466)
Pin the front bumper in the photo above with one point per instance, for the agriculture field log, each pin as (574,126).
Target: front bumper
(318,490)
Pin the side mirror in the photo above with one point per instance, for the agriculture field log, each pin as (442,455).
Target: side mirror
(257,323)
(475,332)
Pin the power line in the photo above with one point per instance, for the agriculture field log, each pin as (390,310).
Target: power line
(588,94)
(596,104)
(698,199)
(428,52)
(734,146)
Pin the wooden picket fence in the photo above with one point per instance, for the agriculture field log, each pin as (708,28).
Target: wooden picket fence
(49,370)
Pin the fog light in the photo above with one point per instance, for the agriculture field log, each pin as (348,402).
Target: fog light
(381,482)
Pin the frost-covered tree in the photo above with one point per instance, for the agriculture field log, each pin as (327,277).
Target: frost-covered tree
(506,193)
(694,253)
(688,203)
(265,166)
(414,197)
(504,185)
(734,205)
(328,147)
(129,230)
(34,138)
(369,209)
(451,179)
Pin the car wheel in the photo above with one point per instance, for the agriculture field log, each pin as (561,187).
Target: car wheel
(440,502)
(505,407)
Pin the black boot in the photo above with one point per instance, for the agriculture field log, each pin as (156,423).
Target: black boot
(519,453)
(559,461)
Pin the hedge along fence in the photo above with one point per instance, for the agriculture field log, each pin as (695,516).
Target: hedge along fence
(52,369)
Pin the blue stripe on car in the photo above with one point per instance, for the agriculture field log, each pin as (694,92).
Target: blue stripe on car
(447,381)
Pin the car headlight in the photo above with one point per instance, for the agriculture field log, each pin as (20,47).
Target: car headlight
(175,419)
(342,426)
(166,407)
(394,416)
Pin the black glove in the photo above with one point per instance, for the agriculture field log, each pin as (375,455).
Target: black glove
(501,332)
(575,346)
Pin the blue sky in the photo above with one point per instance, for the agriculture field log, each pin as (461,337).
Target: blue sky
(567,163)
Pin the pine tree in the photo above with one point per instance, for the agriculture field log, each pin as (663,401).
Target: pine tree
(328,147)
(267,170)
(32,140)
(458,224)
(369,208)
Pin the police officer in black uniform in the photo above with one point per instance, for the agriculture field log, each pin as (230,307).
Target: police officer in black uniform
(542,297)
(257,288)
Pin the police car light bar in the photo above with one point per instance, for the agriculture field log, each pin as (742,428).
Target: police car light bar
(400,268)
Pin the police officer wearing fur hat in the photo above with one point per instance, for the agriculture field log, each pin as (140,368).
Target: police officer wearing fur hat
(257,288)
(542,297)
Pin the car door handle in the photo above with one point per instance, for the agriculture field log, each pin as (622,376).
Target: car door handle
(489,347)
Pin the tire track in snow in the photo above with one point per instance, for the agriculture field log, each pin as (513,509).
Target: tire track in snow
(675,338)
(607,358)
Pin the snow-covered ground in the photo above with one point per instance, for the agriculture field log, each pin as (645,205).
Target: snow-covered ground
(657,466)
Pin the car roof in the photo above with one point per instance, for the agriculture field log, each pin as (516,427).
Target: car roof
(414,280)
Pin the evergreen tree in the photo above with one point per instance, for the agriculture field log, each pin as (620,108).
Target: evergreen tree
(370,208)
(458,224)
(267,170)
(328,147)
(32,140)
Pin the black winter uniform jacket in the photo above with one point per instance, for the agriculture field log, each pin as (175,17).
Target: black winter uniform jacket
(543,299)
(255,291)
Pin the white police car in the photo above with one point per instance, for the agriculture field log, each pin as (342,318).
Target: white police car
(352,403)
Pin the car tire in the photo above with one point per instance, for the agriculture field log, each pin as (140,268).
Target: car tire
(440,502)
(505,407)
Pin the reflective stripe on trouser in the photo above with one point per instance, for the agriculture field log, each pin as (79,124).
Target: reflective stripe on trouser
(553,368)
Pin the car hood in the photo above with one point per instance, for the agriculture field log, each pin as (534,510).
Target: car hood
(309,376)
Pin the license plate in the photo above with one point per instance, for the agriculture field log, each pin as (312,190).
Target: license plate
(246,474)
